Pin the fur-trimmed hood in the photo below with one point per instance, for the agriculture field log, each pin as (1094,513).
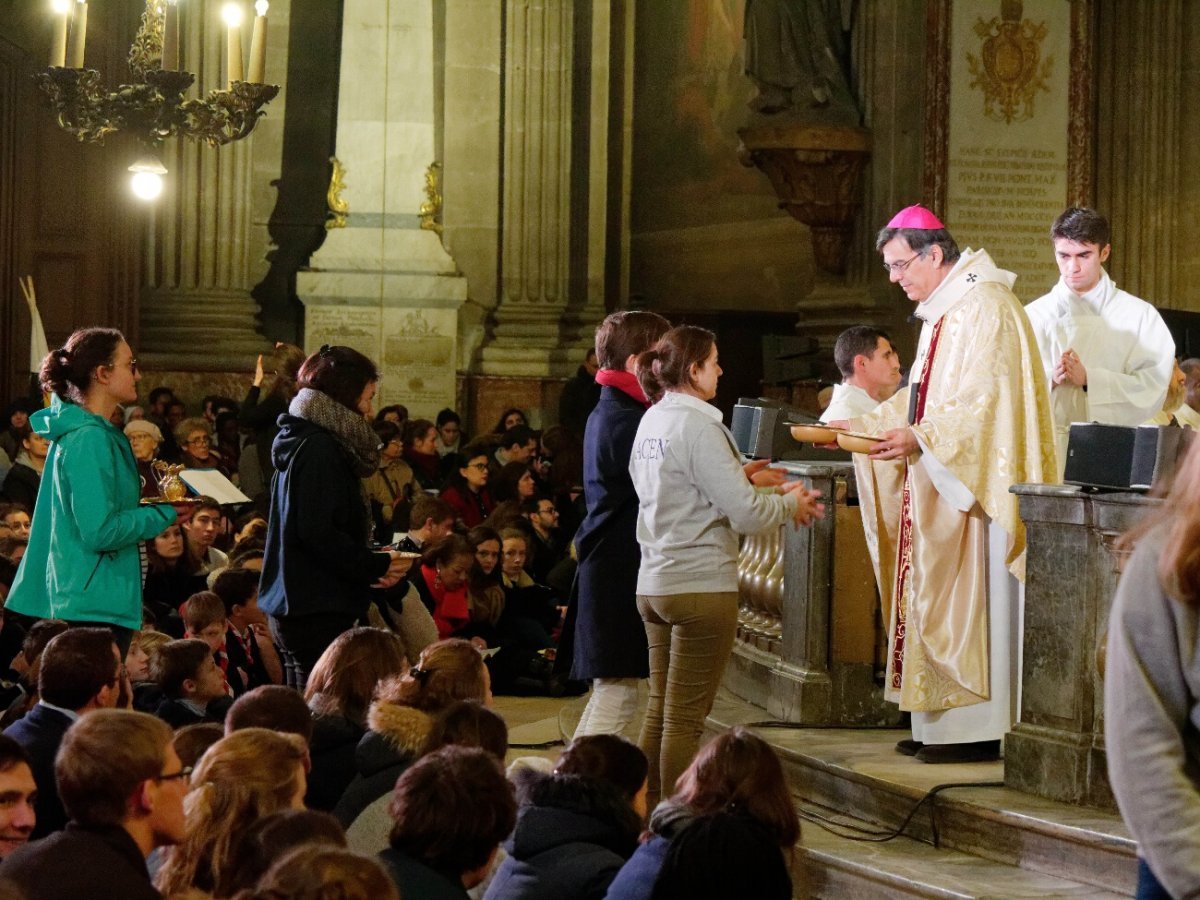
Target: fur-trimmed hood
(397,734)
(568,809)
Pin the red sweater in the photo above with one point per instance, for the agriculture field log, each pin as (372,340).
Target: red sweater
(450,610)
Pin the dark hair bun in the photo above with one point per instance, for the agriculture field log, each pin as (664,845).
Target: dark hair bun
(69,370)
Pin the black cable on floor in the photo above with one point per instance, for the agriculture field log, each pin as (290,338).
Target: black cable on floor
(878,837)
(544,745)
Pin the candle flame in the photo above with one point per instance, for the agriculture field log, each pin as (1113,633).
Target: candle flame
(261,7)
(61,7)
(232,14)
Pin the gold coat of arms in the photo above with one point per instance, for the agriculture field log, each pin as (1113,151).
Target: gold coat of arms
(1009,70)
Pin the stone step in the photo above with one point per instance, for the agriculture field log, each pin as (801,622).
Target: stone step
(831,866)
(182,335)
(858,772)
(168,319)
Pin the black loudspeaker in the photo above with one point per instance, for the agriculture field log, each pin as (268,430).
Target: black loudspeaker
(1122,457)
(1157,451)
(762,430)
(1100,455)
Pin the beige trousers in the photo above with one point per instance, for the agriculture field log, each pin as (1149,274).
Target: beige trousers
(691,638)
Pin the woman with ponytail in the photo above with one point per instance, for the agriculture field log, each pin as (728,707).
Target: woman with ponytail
(694,497)
(82,564)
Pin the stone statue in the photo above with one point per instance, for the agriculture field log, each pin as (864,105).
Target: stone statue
(797,55)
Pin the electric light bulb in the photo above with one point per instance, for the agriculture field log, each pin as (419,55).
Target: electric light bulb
(261,6)
(231,13)
(146,185)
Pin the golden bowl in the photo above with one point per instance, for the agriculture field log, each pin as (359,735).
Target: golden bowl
(857,443)
(814,434)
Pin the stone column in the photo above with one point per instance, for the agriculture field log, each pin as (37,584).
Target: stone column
(536,211)
(1140,60)
(384,284)
(206,248)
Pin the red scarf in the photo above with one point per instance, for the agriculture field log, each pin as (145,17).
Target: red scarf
(626,382)
(450,609)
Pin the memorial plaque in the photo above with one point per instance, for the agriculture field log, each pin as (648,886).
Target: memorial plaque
(418,360)
(347,326)
(1007,132)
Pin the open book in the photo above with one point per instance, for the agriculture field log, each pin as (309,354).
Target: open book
(212,483)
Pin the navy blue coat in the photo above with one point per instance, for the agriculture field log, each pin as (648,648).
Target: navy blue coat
(573,835)
(609,637)
(636,879)
(317,560)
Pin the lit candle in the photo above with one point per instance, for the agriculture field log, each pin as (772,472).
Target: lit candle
(170,45)
(62,18)
(78,35)
(232,14)
(258,45)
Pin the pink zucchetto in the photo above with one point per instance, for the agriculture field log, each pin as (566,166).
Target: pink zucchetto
(915,217)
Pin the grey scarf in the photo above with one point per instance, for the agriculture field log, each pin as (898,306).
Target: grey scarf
(356,438)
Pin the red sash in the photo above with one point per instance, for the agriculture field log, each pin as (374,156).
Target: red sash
(904,541)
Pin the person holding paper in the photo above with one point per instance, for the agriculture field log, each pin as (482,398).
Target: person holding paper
(82,564)
(318,569)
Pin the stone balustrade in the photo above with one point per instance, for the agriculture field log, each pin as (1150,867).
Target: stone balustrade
(808,627)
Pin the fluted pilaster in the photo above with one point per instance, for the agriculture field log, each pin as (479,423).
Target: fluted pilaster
(536,224)
(196,307)
(1140,59)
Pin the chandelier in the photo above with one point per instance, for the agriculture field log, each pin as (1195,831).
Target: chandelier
(153,107)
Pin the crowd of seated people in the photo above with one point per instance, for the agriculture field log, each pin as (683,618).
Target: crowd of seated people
(186,766)
(227,798)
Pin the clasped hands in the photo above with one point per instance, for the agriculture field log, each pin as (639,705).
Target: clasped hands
(808,509)
(1070,369)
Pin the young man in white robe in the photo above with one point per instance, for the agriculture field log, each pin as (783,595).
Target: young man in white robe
(1108,356)
(944,531)
(870,370)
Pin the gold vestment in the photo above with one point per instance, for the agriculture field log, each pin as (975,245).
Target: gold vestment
(983,413)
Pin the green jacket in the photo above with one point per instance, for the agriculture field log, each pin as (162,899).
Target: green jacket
(82,561)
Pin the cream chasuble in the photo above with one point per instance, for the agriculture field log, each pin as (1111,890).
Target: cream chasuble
(1124,345)
(933,522)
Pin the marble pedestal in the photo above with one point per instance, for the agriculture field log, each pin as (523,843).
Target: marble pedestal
(806,644)
(1056,750)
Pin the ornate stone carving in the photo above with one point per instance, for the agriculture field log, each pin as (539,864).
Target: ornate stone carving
(1009,70)
(817,174)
